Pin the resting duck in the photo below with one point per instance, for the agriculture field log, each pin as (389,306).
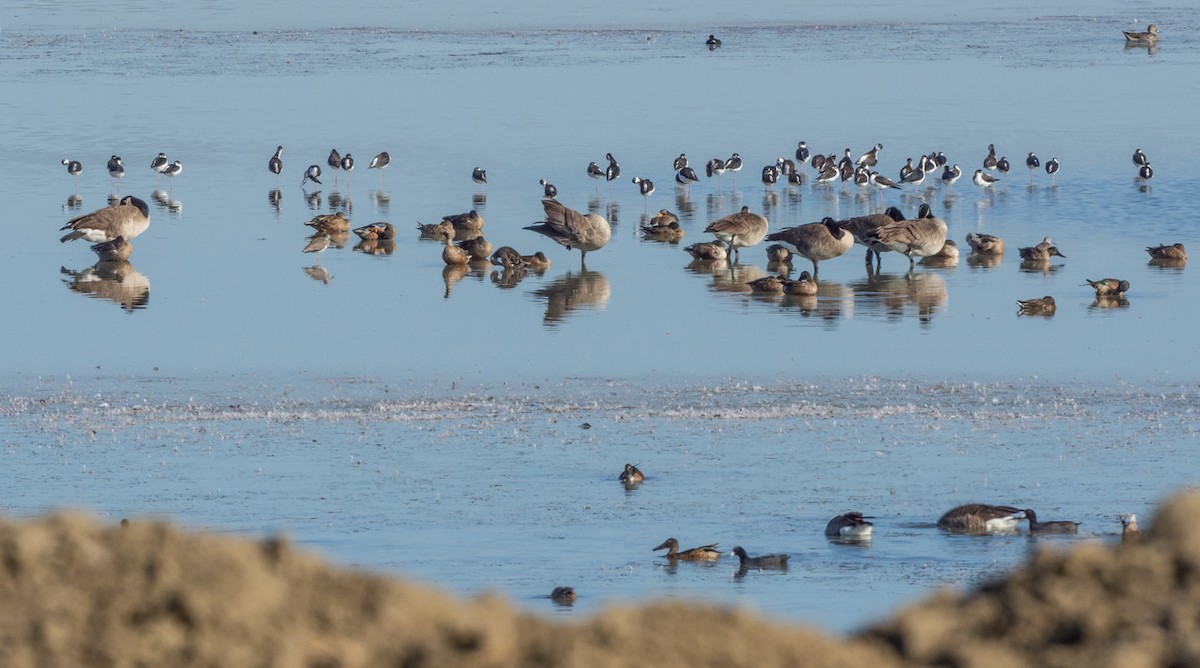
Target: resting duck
(631,474)
(849,525)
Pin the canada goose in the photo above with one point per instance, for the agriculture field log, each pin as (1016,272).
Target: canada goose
(1129,528)
(702,553)
(275,164)
(1058,526)
(478,248)
(863,227)
(980,518)
(922,236)
(764,561)
(739,230)
(571,229)
(1041,252)
(1142,38)
(116,250)
(712,250)
(1172,252)
(1109,287)
(470,221)
(507,257)
(849,525)
(815,241)
(128,218)
(1043,306)
(985,244)
(804,285)
(631,474)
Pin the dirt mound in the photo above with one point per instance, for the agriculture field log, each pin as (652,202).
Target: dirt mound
(79,594)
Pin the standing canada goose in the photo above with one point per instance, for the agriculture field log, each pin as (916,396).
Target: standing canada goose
(923,236)
(740,230)
(985,244)
(990,162)
(74,168)
(1172,252)
(563,595)
(1057,526)
(116,171)
(850,526)
(275,164)
(380,162)
(116,250)
(712,42)
(335,163)
(1043,306)
(980,518)
(761,562)
(702,553)
(1129,528)
(804,285)
(159,164)
(507,257)
(1139,158)
(316,244)
(376,232)
(712,250)
(548,189)
(478,248)
(1109,287)
(767,285)
(680,162)
(870,158)
(128,218)
(1142,38)
(313,173)
(645,186)
(951,174)
(1041,252)
(815,241)
(1052,169)
(1031,161)
(347,166)
(1145,172)
(571,229)
(631,474)
(984,180)
(470,221)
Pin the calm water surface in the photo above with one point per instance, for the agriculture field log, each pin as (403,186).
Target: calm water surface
(404,417)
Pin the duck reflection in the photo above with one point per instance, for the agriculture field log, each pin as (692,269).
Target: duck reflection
(573,291)
(984,261)
(508,277)
(73,203)
(832,302)
(1043,267)
(319,273)
(1150,49)
(895,295)
(453,273)
(737,278)
(1167,263)
(1109,302)
(376,246)
(164,200)
(116,281)
(275,199)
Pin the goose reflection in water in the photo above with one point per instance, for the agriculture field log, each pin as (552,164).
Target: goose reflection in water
(164,200)
(116,281)
(376,246)
(893,295)
(573,291)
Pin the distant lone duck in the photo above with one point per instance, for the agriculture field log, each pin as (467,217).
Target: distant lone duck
(985,244)
(1058,526)
(1109,287)
(980,518)
(563,595)
(1172,252)
(765,561)
(128,218)
(631,474)
(1042,306)
(851,526)
(712,42)
(1129,528)
(1142,38)
(702,553)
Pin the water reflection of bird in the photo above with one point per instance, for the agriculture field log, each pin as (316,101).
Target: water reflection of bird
(128,218)
(1042,306)
(275,164)
(702,553)
(319,274)
(571,229)
(376,246)
(740,230)
(1142,38)
(114,250)
(851,526)
(571,292)
(74,168)
(313,173)
(116,281)
(980,518)
(1109,287)
(816,241)
(116,171)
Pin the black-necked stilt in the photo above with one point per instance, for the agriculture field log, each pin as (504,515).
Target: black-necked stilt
(159,164)
(1032,163)
(829,174)
(335,163)
(786,166)
(313,173)
(817,163)
(950,175)
(645,186)
(680,162)
(906,170)
(686,176)
(770,175)
(871,157)
(1139,158)
(929,163)
(941,159)
(1145,172)
(882,182)
(989,163)
(548,189)
(275,164)
(1052,168)
(380,162)
(347,166)
(116,170)
(984,180)
(845,161)
(172,170)
(613,171)
(594,171)
(915,177)
(712,42)
(1002,165)
(734,164)
(74,168)
(795,178)
(802,152)
(715,167)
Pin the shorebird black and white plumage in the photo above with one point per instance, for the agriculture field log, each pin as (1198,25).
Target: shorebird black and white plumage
(74,168)
(870,158)
(734,164)
(1145,172)
(380,162)
(572,229)
(313,173)
(128,218)
(983,179)
(715,167)
(594,171)
(906,170)
(829,174)
(686,176)
(802,152)
(1148,38)
(116,171)
(846,161)
(786,166)
(882,183)
(1139,158)
(1032,162)
(1002,165)
(680,162)
(940,158)
(1052,168)
(335,163)
(951,174)
(989,163)
(347,166)
(646,186)
(613,171)
(862,177)
(172,170)
(548,189)
(928,163)
(712,42)
(159,164)
(915,177)
(275,164)
(817,162)
(770,175)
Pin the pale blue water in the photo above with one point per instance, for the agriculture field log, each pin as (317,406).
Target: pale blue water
(1096,414)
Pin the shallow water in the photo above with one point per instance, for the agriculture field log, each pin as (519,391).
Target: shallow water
(762,417)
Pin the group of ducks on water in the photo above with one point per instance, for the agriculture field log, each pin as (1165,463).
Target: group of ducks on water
(971,518)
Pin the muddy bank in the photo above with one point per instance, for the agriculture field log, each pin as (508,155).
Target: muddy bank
(77,593)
